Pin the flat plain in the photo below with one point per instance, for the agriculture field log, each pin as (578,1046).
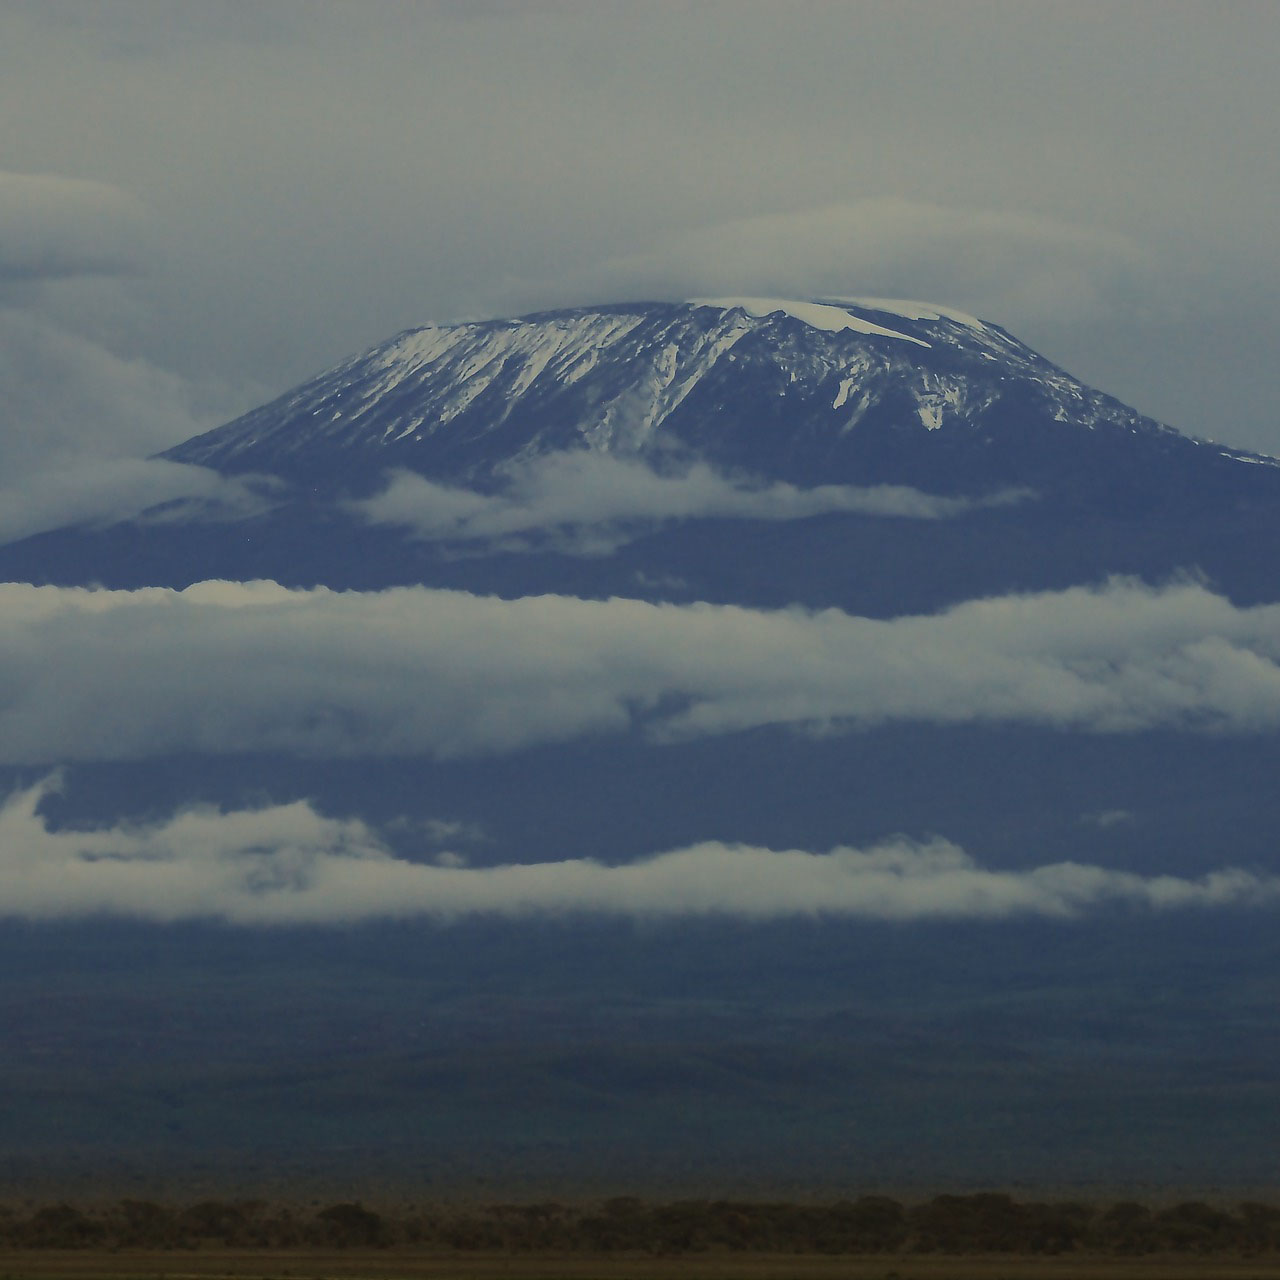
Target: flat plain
(381,1264)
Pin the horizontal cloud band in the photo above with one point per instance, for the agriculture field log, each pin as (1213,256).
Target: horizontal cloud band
(586,503)
(108,490)
(289,865)
(236,667)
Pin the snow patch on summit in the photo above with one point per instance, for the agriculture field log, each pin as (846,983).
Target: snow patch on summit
(908,310)
(817,315)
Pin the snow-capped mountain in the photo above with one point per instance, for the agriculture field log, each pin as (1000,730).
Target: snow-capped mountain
(809,392)
(874,455)
(912,516)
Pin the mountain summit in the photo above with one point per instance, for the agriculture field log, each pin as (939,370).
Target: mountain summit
(874,455)
(752,679)
(855,390)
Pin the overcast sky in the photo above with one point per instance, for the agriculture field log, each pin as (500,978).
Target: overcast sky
(203,203)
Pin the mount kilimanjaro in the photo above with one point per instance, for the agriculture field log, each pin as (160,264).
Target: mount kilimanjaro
(1054,793)
(875,455)
(806,392)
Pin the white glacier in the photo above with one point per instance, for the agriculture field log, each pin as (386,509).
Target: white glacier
(613,379)
(911,310)
(817,315)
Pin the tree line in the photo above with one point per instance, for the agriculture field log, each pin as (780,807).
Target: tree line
(986,1222)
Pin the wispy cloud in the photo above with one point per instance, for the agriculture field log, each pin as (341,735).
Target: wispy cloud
(110,490)
(415,671)
(81,406)
(1000,263)
(53,227)
(70,402)
(290,865)
(588,503)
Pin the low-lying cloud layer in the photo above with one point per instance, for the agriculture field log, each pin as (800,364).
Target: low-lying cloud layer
(235,667)
(290,865)
(112,490)
(586,503)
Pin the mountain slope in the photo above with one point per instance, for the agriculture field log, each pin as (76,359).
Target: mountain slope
(737,453)
(805,392)
(733,450)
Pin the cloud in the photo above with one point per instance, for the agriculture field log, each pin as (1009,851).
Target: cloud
(588,503)
(77,391)
(107,675)
(53,227)
(288,864)
(645,130)
(105,492)
(72,404)
(1105,819)
(1002,264)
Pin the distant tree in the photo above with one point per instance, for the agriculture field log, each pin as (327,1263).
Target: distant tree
(60,1227)
(1196,1227)
(1125,1228)
(1259,1227)
(351,1225)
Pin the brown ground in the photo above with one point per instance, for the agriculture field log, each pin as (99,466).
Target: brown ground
(401,1264)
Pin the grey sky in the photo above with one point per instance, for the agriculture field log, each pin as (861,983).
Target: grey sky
(231,196)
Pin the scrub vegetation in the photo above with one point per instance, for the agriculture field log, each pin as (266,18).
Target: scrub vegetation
(977,1224)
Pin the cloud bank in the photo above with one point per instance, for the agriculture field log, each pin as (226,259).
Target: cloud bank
(236,667)
(109,491)
(69,399)
(78,408)
(290,865)
(586,503)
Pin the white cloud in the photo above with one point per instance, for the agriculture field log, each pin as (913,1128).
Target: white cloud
(1007,266)
(69,399)
(103,675)
(639,122)
(76,416)
(1104,819)
(107,491)
(290,865)
(587,503)
(78,392)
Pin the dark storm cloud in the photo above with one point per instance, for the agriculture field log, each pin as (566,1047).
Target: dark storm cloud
(1100,179)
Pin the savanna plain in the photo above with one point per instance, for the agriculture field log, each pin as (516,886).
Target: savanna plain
(982,1236)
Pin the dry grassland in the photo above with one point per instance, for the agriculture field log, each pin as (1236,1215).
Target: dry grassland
(399,1264)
